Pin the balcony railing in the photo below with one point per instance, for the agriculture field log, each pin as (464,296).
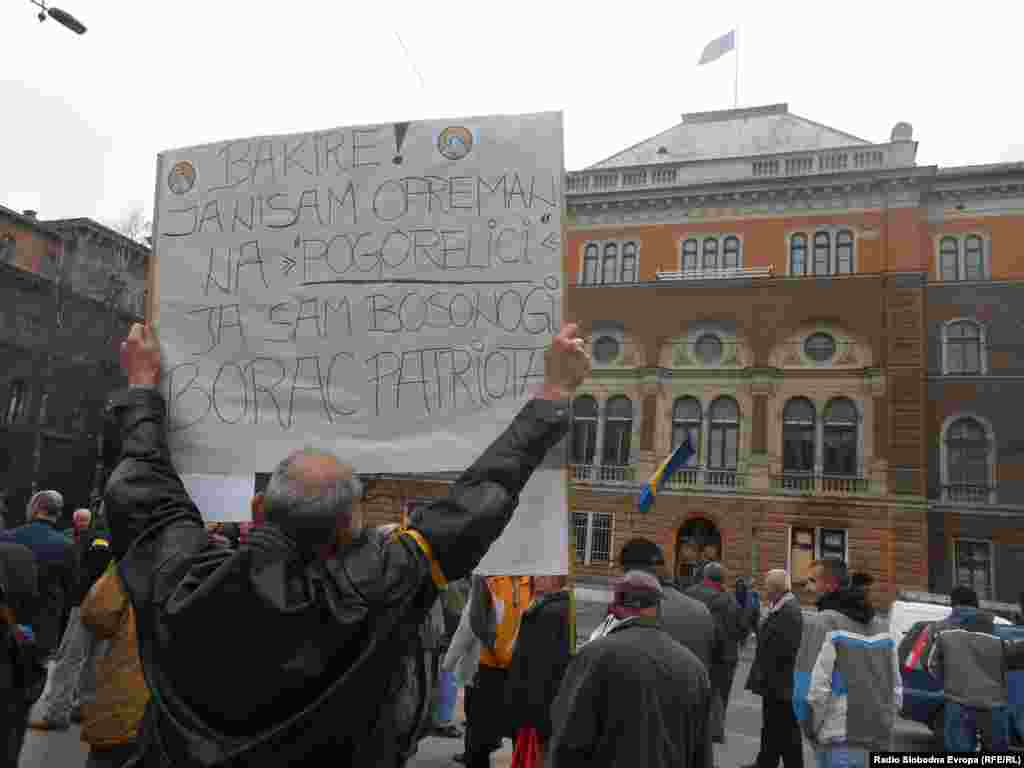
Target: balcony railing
(967,493)
(703,478)
(718,274)
(815,483)
(610,474)
(683,173)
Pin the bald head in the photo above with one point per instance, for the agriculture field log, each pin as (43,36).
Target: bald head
(81,519)
(45,504)
(308,490)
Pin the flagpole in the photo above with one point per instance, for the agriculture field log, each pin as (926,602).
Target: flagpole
(736,81)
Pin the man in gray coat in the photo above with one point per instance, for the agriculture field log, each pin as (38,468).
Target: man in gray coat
(686,620)
(729,632)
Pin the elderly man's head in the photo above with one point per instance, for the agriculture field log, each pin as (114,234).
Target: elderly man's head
(776,584)
(637,593)
(80,519)
(314,498)
(45,505)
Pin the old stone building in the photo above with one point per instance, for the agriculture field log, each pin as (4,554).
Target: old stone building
(69,290)
(830,323)
(834,327)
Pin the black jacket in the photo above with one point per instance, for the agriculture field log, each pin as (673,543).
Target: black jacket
(55,560)
(93,554)
(778,642)
(542,654)
(269,655)
(729,629)
(634,697)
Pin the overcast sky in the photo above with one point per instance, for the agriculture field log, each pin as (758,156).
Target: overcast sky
(83,118)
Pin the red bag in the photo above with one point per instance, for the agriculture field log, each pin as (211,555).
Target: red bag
(528,752)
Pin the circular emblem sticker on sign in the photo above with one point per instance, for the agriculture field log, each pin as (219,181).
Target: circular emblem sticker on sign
(182,178)
(455,142)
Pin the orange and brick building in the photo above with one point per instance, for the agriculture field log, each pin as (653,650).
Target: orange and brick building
(834,326)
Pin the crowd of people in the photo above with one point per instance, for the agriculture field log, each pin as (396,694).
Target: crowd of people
(310,637)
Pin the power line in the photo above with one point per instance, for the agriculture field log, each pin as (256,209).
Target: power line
(412,63)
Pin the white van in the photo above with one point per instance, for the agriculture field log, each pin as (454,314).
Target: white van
(913,607)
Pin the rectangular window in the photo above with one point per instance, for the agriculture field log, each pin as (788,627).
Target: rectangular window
(831,544)
(801,554)
(798,448)
(973,566)
(723,448)
(617,436)
(808,544)
(584,441)
(580,524)
(840,444)
(592,536)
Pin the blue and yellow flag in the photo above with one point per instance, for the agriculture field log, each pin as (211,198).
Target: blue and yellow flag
(678,459)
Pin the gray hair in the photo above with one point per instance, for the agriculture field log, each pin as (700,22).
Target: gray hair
(47,503)
(285,495)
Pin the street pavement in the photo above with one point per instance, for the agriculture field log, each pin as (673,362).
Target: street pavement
(65,750)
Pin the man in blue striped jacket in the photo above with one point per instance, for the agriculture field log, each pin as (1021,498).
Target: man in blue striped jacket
(847,687)
(972,663)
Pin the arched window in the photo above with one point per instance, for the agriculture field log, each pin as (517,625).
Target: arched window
(839,455)
(710,253)
(974,258)
(618,430)
(798,254)
(584,430)
(691,258)
(591,259)
(611,263)
(844,252)
(731,252)
(949,258)
(17,399)
(686,421)
(822,246)
(723,436)
(628,263)
(798,423)
(968,472)
(963,348)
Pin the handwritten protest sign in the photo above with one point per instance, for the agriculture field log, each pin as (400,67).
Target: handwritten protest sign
(385,292)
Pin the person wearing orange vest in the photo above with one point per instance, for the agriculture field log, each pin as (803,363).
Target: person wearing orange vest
(497,607)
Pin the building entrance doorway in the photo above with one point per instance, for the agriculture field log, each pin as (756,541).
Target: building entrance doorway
(698,542)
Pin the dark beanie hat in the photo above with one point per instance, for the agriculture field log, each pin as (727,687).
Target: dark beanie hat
(641,553)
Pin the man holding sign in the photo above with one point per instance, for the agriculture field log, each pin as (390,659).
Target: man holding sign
(294,649)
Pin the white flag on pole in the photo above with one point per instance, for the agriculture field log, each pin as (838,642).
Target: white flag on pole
(718,47)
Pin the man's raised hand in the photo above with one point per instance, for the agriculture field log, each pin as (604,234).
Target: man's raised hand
(140,356)
(566,364)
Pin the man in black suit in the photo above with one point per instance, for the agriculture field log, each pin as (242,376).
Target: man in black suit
(771,675)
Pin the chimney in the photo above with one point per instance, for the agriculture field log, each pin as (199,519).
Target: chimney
(28,213)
